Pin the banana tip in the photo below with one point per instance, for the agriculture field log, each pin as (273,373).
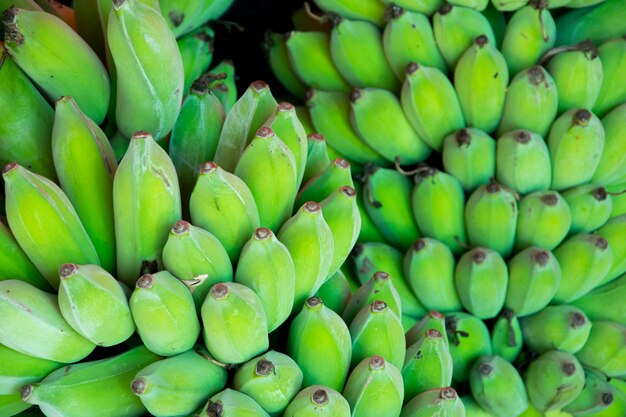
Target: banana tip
(376,362)
(341,163)
(316,137)
(26,391)
(312,207)
(67,270)
(348,191)
(313,302)
(320,397)
(180,227)
(208,167)
(138,385)
(285,106)
(259,85)
(145,282)
(219,291)
(9,167)
(265,132)
(264,367)
(262,233)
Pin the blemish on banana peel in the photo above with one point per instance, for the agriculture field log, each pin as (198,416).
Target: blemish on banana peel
(11,31)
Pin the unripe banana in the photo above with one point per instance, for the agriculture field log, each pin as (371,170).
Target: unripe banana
(491,218)
(197,258)
(613,231)
(470,155)
(456,28)
(196,52)
(605,350)
(531,102)
(336,174)
(235,326)
(317,156)
(85,165)
(142,223)
(577,73)
(379,287)
(553,380)
(438,203)
(376,330)
(164,313)
(529,34)
(336,292)
(562,327)
(269,169)
(429,268)
(596,303)
(619,200)
(612,53)
(590,206)
(225,89)
(94,304)
(310,243)
(18,369)
(374,388)
(378,118)
(473,409)
(222,204)
(498,387)
(266,267)
(585,260)
(597,395)
(610,169)
(480,80)
(319,334)
(469,339)
(254,107)
(274,45)
(506,336)
(544,218)
(44,223)
(440,402)
(180,384)
(431,104)
(98,388)
(409,37)
(428,364)
(272,380)
(481,279)
(231,403)
(534,278)
(356,48)
(431,320)
(57,59)
(523,162)
(318,401)
(387,199)
(25,128)
(369,10)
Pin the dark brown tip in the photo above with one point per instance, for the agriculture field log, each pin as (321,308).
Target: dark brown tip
(213,409)
(25,392)
(264,367)
(320,397)
(448,393)
(341,163)
(312,207)
(348,191)
(568,368)
(357,250)
(522,136)
(145,282)
(463,137)
(9,167)
(285,106)
(141,134)
(313,302)
(412,67)
(434,334)
(485,369)
(536,75)
(118,3)
(259,86)
(577,320)
(208,167)
(180,227)
(380,275)
(378,306)
(67,270)
(493,187)
(138,385)
(200,86)
(582,117)
(479,256)
(355,95)
(540,257)
(419,244)
(481,41)
(601,243)
(265,132)
(607,398)
(393,12)
(550,199)
(9,16)
(262,233)
(425,172)
(377,362)
(445,9)
(220,291)
(317,137)
(436,315)
(599,193)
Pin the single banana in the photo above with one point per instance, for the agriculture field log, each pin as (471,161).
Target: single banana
(431,320)
(196,51)
(18,369)
(612,54)
(610,169)
(229,402)
(336,292)
(318,401)
(335,175)
(440,402)
(469,339)
(44,223)
(544,218)
(142,223)
(277,57)
(595,303)
(561,327)
(605,350)
(379,287)
(506,336)
(57,59)
(613,231)
(369,10)
(597,395)
(470,155)
(317,156)
(598,23)
(590,206)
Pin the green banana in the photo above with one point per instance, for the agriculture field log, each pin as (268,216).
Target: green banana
(196,51)
(33,325)
(619,200)
(231,403)
(378,118)
(195,135)
(309,240)
(57,59)
(491,218)
(498,387)
(472,409)
(605,350)
(318,401)
(481,279)
(85,165)
(613,231)
(12,405)
(379,287)
(272,380)
(534,278)
(253,108)
(531,102)
(506,336)
(585,260)
(94,304)
(618,406)
(319,334)
(597,395)
(336,292)
(598,23)
(234,322)
(142,223)
(456,28)
(553,380)
(431,320)
(428,364)
(369,232)
(470,155)
(317,156)
(374,388)
(612,53)
(440,402)
(369,10)
(164,313)
(197,258)
(561,327)
(431,104)
(181,16)
(356,48)
(429,268)
(44,223)
(438,203)
(544,218)
(595,303)
(481,76)
(386,197)
(610,169)
(225,89)
(18,369)
(408,37)
(222,204)
(469,339)
(180,384)
(529,34)
(377,330)
(25,129)
(266,267)
(277,57)
(590,206)
(523,162)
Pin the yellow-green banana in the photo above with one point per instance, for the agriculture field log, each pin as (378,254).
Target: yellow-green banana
(598,23)
(336,292)
(469,339)
(613,231)
(544,218)
(610,169)
(470,155)
(590,206)
(431,320)
(318,401)
(597,395)
(506,336)
(368,10)
(440,402)
(595,303)
(278,59)
(427,7)
(498,387)
(317,156)
(335,175)
(18,369)
(561,327)
(605,349)
(232,403)
(612,53)
(379,287)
